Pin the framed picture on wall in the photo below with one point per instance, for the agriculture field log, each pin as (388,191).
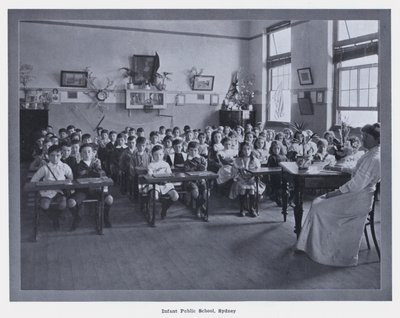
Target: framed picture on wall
(305,77)
(203,83)
(143,68)
(73,79)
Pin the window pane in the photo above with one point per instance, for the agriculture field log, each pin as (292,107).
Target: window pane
(373,77)
(373,97)
(344,80)
(274,71)
(279,42)
(280,106)
(359,118)
(353,79)
(344,98)
(364,98)
(371,59)
(353,98)
(364,77)
(353,28)
(274,83)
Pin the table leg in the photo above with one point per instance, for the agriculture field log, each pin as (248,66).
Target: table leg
(36,213)
(101,213)
(205,217)
(257,195)
(153,219)
(284,185)
(298,208)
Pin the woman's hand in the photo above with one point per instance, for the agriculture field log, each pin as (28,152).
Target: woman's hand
(333,194)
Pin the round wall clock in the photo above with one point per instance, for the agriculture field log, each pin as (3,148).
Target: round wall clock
(101,95)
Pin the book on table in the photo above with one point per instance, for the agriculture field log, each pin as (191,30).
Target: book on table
(197,173)
(162,175)
(89,180)
(58,182)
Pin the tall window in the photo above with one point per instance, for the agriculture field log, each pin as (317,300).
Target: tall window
(279,72)
(356,72)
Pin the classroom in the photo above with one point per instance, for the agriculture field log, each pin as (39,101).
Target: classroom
(217,154)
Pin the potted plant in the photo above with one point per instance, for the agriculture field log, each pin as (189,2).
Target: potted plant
(304,161)
(128,73)
(163,77)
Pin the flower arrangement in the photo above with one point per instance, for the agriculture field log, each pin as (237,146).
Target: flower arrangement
(241,91)
(341,147)
(163,77)
(25,77)
(304,161)
(192,73)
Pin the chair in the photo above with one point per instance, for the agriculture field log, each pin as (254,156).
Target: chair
(371,222)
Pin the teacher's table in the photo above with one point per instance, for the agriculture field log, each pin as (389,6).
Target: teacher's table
(315,177)
(86,183)
(178,177)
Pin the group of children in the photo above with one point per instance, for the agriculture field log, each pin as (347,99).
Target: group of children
(229,152)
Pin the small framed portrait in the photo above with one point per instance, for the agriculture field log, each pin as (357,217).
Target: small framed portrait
(157,98)
(305,77)
(320,97)
(214,99)
(180,100)
(144,68)
(55,96)
(73,79)
(137,98)
(203,83)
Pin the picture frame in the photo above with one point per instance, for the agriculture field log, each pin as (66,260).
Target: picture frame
(143,68)
(320,97)
(214,100)
(180,100)
(203,83)
(305,77)
(138,99)
(73,79)
(305,106)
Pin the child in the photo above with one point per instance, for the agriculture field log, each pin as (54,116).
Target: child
(125,160)
(75,150)
(140,132)
(70,129)
(196,134)
(79,132)
(112,135)
(197,189)
(153,141)
(67,158)
(157,167)
(208,131)
(88,167)
(115,156)
(202,146)
(38,145)
(275,180)
(245,181)
(168,132)
(322,155)
(161,132)
(55,170)
(54,140)
(188,138)
(256,132)
(177,159)
(86,139)
(63,135)
(240,136)
(215,146)
(132,132)
(259,150)
(41,159)
(234,139)
(279,137)
(176,133)
(226,131)
(139,162)
(102,143)
(168,149)
(75,137)
(226,157)
(299,147)
(249,138)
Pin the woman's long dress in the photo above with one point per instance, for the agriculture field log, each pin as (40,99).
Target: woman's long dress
(332,232)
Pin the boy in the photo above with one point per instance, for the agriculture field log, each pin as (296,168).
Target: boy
(110,146)
(188,138)
(132,132)
(161,132)
(75,150)
(54,140)
(88,167)
(139,163)
(177,159)
(153,141)
(63,135)
(55,170)
(203,147)
(195,162)
(67,158)
(125,160)
(140,132)
(115,156)
(70,129)
(86,139)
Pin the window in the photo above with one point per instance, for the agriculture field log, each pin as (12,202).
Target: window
(356,72)
(279,72)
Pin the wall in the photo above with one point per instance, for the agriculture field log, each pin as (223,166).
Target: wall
(52,48)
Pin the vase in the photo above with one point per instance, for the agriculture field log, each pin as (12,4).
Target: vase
(303,162)
(130,86)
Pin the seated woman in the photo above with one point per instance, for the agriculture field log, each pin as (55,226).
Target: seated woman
(333,229)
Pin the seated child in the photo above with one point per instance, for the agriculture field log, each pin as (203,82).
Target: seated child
(226,131)
(240,133)
(88,167)
(187,138)
(132,132)
(208,131)
(41,159)
(168,149)
(176,133)
(234,138)
(102,143)
(177,159)
(140,132)
(139,162)
(161,132)
(215,146)
(322,155)
(67,158)
(168,132)
(75,150)
(275,157)
(195,162)
(259,150)
(245,181)
(202,146)
(153,141)
(55,170)
(226,157)
(156,167)
(86,139)
(63,135)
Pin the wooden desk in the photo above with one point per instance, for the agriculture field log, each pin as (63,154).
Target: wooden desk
(263,171)
(89,183)
(313,178)
(178,177)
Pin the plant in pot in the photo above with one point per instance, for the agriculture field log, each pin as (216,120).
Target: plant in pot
(25,77)
(161,78)
(128,73)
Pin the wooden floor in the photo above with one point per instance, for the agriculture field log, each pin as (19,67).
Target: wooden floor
(227,253)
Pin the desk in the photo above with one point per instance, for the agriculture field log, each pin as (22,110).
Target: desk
(263,171)
(313,178)
(89,183)
(178,177)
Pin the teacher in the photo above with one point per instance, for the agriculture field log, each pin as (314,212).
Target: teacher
(334,226)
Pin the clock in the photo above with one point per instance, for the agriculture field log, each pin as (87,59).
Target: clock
(101,95)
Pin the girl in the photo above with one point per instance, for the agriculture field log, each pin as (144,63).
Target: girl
(259,150)
(249,137)
(322,155)
(275,157)
(176,133)
(245,181)
(226,158)
(168,149)
(215,146)
(239,131)
(208,131)
(203,147)
(159,167)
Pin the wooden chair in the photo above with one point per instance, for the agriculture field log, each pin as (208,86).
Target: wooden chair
(371,222)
